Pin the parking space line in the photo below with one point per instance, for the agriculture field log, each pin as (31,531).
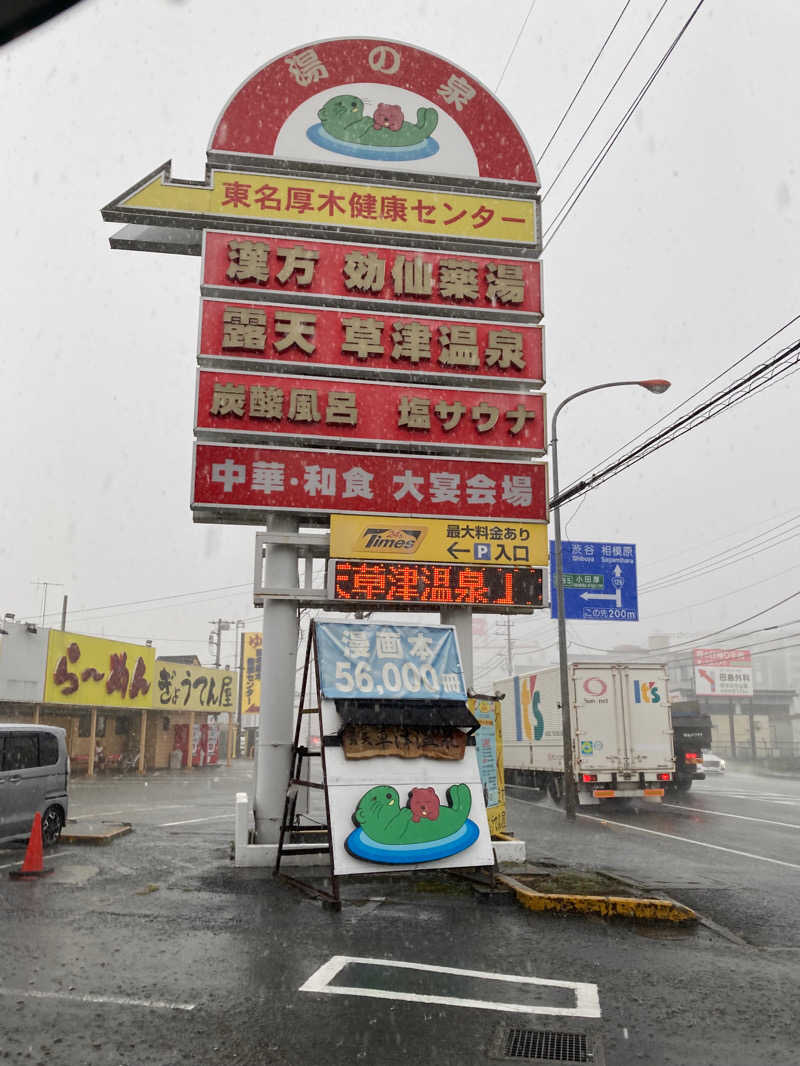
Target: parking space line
(688,840)
(51,855)
(87,997)
(587,1000)
(727,814)
(191,821)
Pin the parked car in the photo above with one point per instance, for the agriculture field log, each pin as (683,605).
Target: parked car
(34,776)
(713,763)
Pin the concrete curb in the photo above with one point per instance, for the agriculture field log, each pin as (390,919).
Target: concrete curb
(660,910)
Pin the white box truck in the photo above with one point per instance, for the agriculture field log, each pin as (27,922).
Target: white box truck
(621,731)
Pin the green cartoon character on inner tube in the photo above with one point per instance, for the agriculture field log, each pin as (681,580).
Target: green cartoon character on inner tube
(380,816)
(343,117)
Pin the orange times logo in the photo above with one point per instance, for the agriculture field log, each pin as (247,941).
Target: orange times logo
(404,539)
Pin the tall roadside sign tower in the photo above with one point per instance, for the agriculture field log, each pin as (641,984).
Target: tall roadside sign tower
(370,346)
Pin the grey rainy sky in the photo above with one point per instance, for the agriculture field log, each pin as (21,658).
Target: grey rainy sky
(679,258)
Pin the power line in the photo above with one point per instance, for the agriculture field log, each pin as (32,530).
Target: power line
(776,368)
(605,99)
(155,599)
(714,599)
(688,399)
(585,79)
(582,185)
(514,46)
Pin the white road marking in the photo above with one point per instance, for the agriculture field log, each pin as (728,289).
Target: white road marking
(587,1000)
(50,855)
(687,840)
(726,814)
(191,821)
(129,810)
(78,997)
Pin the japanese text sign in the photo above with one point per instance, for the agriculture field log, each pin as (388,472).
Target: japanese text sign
(95,672)
(723,672)
(422,584)
(378,208)
(599,581)
(368,414)
(410,662)
(319,103)
(282,264)
(489,749)
(251,672)
(193,688)
(434,540)
(317,340)
(249,480)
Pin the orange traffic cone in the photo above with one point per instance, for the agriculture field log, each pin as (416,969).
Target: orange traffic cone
(33,866)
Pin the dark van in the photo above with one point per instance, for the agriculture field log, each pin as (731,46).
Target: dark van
(34,776)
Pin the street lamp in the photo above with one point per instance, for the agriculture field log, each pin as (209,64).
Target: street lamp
(656,385)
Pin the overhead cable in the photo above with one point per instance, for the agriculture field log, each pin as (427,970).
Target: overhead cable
(563,118)
(777,368)
(605,99)
(567,207)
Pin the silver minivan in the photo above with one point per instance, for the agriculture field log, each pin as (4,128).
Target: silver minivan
(34,776)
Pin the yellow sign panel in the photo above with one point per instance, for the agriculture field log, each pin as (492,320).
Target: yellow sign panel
(251,673)
(96,672)
(266,197)
(436,540)
(179,687)
(489,744)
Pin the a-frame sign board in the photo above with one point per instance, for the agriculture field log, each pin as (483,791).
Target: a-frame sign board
(398,765)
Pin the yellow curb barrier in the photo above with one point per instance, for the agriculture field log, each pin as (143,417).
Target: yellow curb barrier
(661,910)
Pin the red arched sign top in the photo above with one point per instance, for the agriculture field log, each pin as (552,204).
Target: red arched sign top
(450,120)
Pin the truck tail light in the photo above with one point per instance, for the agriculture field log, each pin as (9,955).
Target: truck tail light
(586,778)
(663,777)
(691,756)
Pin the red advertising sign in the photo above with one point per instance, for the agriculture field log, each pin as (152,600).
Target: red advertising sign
(722,657)
(273,264)
(313,339)
(243,481)
(370,103)
(367,414)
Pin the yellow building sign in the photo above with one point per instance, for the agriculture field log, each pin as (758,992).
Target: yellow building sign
(96,672)
(437,540)
(179,687)
(489,744)
(268,197)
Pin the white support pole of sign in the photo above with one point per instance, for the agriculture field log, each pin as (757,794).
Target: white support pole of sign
(278,673)
(461,618)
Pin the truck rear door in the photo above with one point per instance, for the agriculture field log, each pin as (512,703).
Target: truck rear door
(598,725)
(647,717)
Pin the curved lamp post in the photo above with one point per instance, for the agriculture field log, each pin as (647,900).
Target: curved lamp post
(656,385)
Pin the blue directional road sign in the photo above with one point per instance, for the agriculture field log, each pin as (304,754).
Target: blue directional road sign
(599,581)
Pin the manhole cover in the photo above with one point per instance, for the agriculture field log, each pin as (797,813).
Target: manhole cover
(544,1045)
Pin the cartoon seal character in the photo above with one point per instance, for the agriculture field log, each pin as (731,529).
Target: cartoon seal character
(382,819)
(343,117)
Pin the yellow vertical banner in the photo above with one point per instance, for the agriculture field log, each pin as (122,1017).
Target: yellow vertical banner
(489,744)
(251,673)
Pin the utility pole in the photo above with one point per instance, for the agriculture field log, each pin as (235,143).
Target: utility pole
(509,650)
(44,585)
(64,613)
(221,626)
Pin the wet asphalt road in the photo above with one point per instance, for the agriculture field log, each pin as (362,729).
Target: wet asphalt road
(156,950)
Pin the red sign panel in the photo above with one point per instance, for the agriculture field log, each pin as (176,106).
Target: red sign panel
(378,343)
(722,657)
(368,414)
(424,583)
(270,115)
(252,480)
(284,264)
